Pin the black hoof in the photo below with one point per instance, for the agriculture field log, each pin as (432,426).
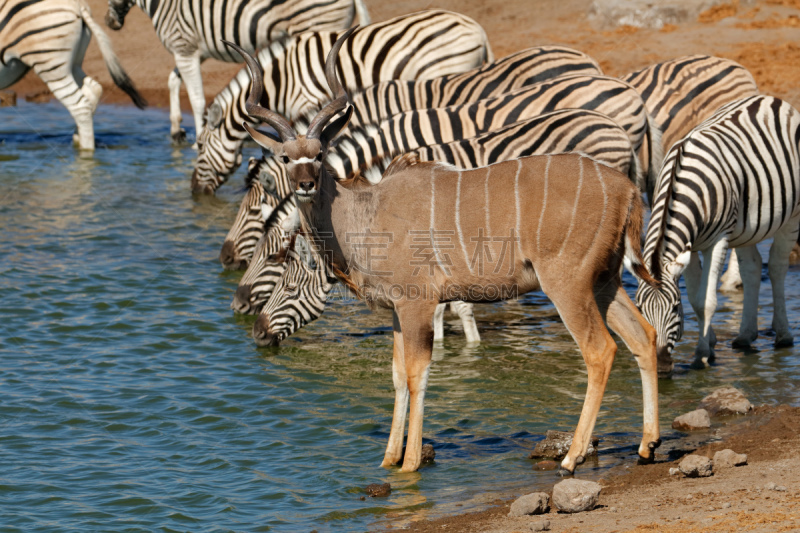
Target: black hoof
(741,344)
(654,445)
(784,343)
(179,138)
(563,472)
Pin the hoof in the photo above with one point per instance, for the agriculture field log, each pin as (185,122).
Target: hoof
(563,472)
(179,137)
(580,460)
(654,445)
(784,342)
(742,343)
(699,364)
(664,374)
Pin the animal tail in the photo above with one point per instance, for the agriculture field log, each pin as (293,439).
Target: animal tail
(119,75)
(362,13)
(633,259)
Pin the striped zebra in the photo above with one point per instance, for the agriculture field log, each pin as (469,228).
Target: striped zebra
(411,129)
(426,44)
(732,182)
(683,92)
(561,131)
(192,31)
(51,37)
(526,67)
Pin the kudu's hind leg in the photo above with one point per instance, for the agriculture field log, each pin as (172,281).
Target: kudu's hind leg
(581,316)
(394,448)
(639,336)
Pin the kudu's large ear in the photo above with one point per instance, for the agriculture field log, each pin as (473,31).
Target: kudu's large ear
(264,139)
(335,128)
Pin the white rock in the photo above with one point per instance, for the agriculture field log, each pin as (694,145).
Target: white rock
(535,503)
(697,419)
(729,459)
(674,471)
(725,401)
(540,525)
(576,495)
(696,466)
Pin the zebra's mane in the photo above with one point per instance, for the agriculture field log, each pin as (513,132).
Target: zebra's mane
(664,194)
(279,213)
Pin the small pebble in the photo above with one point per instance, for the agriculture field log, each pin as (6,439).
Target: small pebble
(710,508)
(726,505)
(674,471)
(543,525)
(780,488)
(770,486)
(375,490)
(612,509)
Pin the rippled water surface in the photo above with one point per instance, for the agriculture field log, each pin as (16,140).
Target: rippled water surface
(131,398)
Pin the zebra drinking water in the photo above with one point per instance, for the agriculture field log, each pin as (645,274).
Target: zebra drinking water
(732,182)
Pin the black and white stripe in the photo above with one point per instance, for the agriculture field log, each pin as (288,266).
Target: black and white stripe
(683,92)
(411,129)
(732,182)
(51,37)
(526,67)
(426,44)
(193,31)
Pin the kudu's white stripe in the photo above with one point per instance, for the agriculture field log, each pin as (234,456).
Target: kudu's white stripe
(574,207)
(458,222)
(544,206)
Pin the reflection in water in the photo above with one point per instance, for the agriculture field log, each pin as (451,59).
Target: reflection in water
(146,402)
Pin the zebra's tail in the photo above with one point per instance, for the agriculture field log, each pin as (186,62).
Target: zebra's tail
(656,157)
(119,75)
(362,13)
(634,224)
(635,170)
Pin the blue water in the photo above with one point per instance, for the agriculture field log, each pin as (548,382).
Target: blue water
(132,399)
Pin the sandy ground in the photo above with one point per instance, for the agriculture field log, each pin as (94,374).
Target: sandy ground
(765,38)
(647,498)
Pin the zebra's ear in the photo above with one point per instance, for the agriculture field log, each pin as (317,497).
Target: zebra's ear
(334,128)
(264,139)
(680,263)
(214,116)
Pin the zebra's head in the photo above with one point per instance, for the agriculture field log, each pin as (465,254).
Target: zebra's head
(268,260)
(219,154)
(302,154)
(661,306)
(298,298)
(248,227)
(117,9)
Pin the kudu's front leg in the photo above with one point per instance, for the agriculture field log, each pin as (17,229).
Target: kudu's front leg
(394,448)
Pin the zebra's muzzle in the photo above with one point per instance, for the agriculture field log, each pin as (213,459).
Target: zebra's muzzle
(241,300)
(261,332)
(112,20)
(228,258)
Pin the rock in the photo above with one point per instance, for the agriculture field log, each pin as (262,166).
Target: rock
(726,505)
(725,401)
(729,459)
(8,99)
(375,490)
(576,495)
(674,471)
(39,98)
(556,445)
(545,465)
(649,14)
(697,419)
(428,454)
(696,466)
(534,503)
(541,525)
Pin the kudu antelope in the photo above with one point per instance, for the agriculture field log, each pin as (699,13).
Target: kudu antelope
(590,222)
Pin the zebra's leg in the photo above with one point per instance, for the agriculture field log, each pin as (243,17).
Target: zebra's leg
(778,265)
(189,68)
(92,90)
(750,268)
(464,311)
(438,322)
(177,133)
(693,275)
(731,279)
(714,259)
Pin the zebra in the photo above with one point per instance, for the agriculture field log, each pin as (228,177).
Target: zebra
(257,206)
(51,37)
(683,92)
(566,130)
(521,69)
(732,182)
(191,30)
(426,44)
